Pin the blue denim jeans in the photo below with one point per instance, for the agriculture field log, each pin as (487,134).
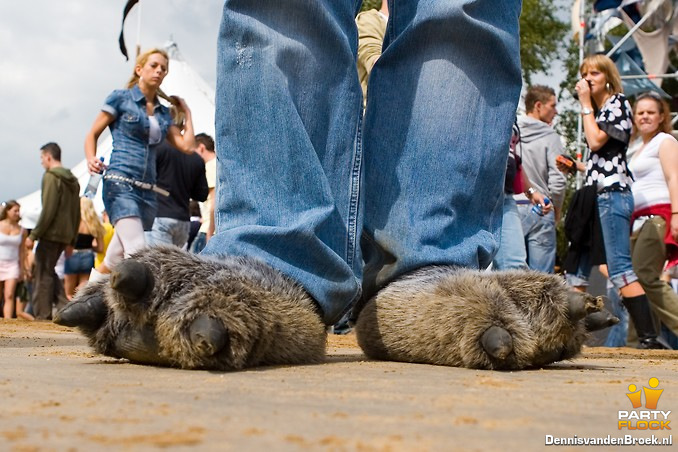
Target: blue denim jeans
(168,231)
(540,238)
(199,243)
(614,209)
(616,337)
(511,253)
(344,206)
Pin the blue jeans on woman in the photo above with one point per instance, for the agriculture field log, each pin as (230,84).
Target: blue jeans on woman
(341,205)
(614,209)
(616,336)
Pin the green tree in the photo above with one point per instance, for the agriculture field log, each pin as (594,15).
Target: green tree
(568,115)
(566,126)
(541,36)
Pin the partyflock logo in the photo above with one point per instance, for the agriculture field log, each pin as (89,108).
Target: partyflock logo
(644,419)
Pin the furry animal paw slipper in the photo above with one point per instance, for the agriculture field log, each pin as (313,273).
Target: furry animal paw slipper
(164,306)
(482,320)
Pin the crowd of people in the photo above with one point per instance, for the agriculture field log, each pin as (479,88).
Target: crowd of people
(71,243)
(625,217)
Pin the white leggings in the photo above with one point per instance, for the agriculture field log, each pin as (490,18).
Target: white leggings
(128,238)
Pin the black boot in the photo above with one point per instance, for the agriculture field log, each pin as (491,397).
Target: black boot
(639,311)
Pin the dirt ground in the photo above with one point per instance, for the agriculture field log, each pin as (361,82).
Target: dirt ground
(55,394)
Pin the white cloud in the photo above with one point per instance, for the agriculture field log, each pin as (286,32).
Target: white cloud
(59,60)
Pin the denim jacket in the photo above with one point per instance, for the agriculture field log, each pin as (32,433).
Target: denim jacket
(132,156)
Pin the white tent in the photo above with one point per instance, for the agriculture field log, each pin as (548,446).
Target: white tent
(182,81)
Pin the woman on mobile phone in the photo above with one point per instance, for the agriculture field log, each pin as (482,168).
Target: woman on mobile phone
(607,120)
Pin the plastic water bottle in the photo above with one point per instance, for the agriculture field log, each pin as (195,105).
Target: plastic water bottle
(537,208)
(93,184)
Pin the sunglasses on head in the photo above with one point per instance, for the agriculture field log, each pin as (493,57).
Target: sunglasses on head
(649,94)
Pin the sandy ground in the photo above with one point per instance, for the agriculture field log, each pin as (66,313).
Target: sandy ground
(55,394)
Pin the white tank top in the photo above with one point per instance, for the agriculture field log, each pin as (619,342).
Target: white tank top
(649,187)
(9,247)
(154,134)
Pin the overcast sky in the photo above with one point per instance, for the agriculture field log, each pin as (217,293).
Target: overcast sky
(60,59)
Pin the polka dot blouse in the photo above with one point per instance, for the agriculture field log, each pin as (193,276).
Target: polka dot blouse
(607,166)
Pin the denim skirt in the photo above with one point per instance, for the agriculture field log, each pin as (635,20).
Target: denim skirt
(122,200)
(80,262)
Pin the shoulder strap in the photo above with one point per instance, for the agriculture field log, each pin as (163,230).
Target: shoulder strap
(516,141)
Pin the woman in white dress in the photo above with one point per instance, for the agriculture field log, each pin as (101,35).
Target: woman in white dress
(12,236)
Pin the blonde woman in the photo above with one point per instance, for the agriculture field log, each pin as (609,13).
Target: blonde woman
(90,240)
(137,121)
(608,119)
(12,236)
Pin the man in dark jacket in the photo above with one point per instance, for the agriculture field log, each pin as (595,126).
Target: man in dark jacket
(183,175)
(57,228)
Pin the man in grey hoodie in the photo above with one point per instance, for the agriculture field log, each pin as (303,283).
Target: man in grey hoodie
(538,147)
(56,229)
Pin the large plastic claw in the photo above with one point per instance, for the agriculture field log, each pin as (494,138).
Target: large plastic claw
(497,342)
(600,320)
(139,345)
(88,312)
(208,335)
(132,279)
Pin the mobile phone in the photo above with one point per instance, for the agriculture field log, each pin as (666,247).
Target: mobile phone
(568,162)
